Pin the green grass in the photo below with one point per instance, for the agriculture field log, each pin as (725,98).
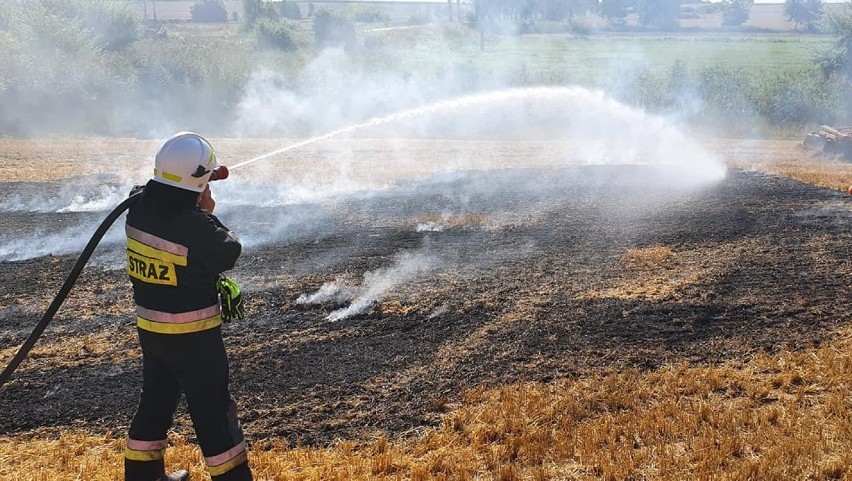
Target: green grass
(591,60)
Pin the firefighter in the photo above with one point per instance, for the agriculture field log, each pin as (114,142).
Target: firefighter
(176,253)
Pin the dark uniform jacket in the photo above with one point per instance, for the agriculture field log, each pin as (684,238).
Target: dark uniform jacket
(175,253)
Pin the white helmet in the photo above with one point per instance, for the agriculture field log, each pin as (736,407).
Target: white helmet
(185,160)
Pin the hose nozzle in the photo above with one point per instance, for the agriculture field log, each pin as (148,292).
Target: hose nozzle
(219,173)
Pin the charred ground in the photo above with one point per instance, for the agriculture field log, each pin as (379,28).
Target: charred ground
(534,275)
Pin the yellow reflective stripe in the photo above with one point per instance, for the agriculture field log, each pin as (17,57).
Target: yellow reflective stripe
(171,177)
(184,328)
(154,253)
(228,465)
(134,455)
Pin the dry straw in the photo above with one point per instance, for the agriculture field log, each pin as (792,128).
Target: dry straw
(772,417)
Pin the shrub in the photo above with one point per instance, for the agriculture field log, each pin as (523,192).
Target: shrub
(736,12)
(661,14)
(55,95)
(332,29)
(46,32)
(838,60)
(725,92)
(272,34)
(86,89)
(209,11)
(738,99)
(797,98)
(112,23)
(255,9)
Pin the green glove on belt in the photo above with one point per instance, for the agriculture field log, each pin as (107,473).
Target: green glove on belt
(232,299)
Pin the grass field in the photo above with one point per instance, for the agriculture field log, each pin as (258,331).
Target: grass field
(767,44)
(560,58)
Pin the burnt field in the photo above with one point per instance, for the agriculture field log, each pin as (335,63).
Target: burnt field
(469,279)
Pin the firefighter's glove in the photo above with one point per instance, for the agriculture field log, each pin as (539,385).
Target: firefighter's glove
(232,299)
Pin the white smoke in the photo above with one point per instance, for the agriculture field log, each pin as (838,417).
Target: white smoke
(336,89)
(68,199)
(376,284)
(429,227)
(336,292)
(568,126)
(66,241)
(440,311)
(104,198)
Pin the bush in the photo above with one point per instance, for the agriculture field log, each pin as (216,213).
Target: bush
(112,23)
(86,89)
(44,32)
(740,100)
(209,11)
(272,34)
(797,98)
(736,12)
(55,95)
(256,9)
(332,29)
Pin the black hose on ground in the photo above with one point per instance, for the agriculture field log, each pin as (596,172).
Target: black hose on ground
(66,287)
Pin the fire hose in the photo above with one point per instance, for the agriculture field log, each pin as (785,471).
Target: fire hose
(220,173)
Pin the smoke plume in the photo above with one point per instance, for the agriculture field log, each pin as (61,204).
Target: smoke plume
(375,285)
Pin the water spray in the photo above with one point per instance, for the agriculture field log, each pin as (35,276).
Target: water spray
(589,105)
(469,101)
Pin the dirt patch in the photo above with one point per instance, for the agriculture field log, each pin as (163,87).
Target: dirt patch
(585,270)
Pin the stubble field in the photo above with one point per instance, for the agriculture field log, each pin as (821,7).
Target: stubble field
(544,320)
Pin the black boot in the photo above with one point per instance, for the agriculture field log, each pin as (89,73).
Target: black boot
(182,475)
